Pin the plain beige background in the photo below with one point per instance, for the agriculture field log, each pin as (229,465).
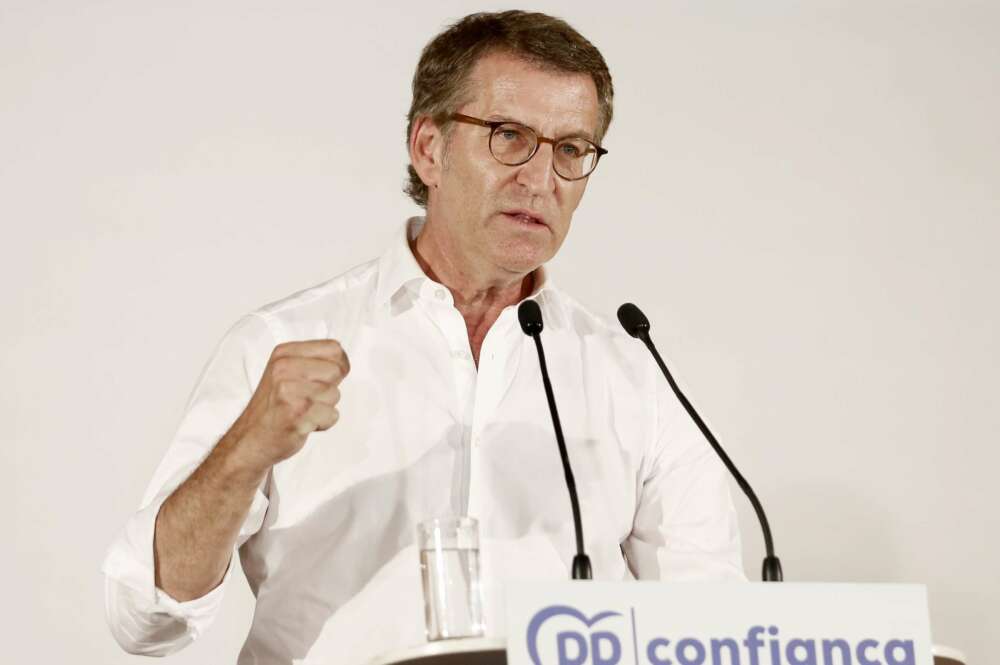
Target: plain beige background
(803,196)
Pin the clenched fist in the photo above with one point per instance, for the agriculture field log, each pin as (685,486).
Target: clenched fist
(297,395)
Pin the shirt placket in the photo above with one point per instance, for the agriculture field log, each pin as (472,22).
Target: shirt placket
(491,382)
(452,326)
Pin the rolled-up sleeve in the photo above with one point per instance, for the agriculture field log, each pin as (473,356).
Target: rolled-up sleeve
(685,526)
(142,618)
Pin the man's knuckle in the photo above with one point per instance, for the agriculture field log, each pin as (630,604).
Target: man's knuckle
(319,386)
(279,368)
(285,390)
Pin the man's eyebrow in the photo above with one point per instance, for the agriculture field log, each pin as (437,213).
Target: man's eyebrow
(576,133)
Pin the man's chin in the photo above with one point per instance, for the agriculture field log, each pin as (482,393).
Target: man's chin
(520,264)
(521,255)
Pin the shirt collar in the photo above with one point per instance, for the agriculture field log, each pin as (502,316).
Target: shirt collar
(398,268)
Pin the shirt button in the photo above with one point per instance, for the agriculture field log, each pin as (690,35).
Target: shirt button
(440,295)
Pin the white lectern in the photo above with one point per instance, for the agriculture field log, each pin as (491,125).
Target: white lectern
(661,623)
(493,651)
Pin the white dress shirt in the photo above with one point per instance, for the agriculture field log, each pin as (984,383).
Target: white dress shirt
(328,545)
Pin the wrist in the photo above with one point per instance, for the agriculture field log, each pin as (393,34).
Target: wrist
(240,461)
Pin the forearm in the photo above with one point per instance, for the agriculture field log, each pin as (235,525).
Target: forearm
(197,526)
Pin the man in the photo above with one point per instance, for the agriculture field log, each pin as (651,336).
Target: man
(318,468)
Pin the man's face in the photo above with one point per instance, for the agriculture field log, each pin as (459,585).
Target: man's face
(478,197)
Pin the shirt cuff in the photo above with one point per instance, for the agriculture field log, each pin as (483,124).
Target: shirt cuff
(144,618)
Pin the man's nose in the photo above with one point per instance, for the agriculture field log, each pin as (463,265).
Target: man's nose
(536,174)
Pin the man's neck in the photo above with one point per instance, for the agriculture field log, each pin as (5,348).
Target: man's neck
(479,295)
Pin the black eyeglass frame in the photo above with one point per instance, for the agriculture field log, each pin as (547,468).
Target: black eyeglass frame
(539,139)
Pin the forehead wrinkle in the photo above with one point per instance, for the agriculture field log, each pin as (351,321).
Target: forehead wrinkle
(571,120)
(505,85)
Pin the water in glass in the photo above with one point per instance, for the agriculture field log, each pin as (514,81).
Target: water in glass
(451,593)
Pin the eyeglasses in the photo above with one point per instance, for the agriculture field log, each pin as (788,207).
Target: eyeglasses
(513,144)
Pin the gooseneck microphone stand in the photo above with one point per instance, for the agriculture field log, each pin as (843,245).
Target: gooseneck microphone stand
(530,316)
(636,324)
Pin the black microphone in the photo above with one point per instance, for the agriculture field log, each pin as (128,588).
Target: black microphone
(636,324)
(530,316)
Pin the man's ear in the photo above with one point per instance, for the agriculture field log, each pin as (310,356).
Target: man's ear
(427,150)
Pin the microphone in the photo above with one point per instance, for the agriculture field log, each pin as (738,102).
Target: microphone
(530,316)
(636,324)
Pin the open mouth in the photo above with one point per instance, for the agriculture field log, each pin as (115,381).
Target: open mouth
(524,218)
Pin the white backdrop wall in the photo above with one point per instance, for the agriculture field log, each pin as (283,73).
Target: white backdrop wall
(804,197)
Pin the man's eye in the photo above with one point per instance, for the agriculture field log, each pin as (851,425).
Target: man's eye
(570,150)
(510,134)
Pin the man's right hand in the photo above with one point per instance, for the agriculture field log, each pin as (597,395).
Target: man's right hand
(198,524)
(297,395)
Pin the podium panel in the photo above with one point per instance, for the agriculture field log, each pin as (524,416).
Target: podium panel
(493,652)
(716,623)
(639,623)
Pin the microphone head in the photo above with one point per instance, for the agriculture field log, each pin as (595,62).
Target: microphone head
(633,320)
(530,316)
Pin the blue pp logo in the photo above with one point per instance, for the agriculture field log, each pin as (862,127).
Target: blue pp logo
(570,637)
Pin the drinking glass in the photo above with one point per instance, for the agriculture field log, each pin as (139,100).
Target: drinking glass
(449,569)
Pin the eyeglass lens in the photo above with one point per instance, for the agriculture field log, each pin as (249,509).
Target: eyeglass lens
(513,144)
